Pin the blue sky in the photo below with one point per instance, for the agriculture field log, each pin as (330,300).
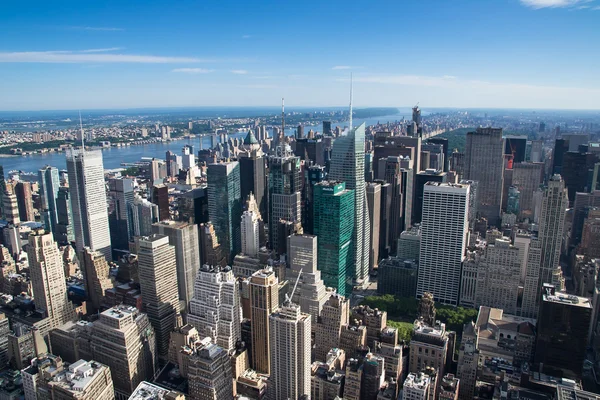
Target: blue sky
(441,53)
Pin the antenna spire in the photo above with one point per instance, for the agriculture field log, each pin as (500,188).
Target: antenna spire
(282,135)
(351,84)
(81,129)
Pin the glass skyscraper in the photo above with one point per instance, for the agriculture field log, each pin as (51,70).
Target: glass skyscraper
(348,165)
(333,210)
(49,185)
(225,205)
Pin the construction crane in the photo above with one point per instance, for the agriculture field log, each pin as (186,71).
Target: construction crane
(288,298)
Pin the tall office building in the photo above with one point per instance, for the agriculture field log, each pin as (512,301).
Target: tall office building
(215,307)
(544,251)
(484,162)
(348,165)
(310,293)
(25,201)
(48,279)
(334,316)
(563,327)
(159,195)
(143,214)
(327,128)
(285,194)
(211,252)
(374,207)
(264,300)
(120,196)
(444,231)
(188,158)
(289,333)
(10,208)
(209,372)
(96,274)
(527,177)
(123,339)
(253,173)
(225,205)
(184,237)
(49,186)
(158,284)
(65,232)
(422,178)
(401,186)
(250,232)
(88,201)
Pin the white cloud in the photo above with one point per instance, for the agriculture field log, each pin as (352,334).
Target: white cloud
(239,71)
(193,70)
(93,56)
(415,80)
(96,28)
(246,36)
(106,50)
(537,4)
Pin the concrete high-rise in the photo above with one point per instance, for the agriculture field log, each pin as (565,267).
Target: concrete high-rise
(225,205)
(444,231)
(334,316)
(289,331)
(48,279)
(120,196)
(88,201)
(527,177)
(123,339)
(333,213)
(484,162)
(184,237)
(208,371)
(253,173)
(25,201)
(143,214)
(311,294)
(49,186)
(158,284)
(348,165)
(215,308)
(250,233)
(544,251)
(285,194)
(374,207)
(64,230)
(264,300)
(96,273)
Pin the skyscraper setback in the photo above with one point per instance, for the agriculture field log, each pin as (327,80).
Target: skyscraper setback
(348,165)
(88,201)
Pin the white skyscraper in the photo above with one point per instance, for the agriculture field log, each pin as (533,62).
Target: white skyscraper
(88,201)
(48,279)
(544,250)
(348,165)
(250,233)
(290,353)
(215,307)
(311,293)
(444,230)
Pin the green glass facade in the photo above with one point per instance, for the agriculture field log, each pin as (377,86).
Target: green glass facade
(333,210)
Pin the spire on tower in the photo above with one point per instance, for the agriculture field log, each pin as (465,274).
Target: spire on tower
(350,123)
(81,128)
(282,134)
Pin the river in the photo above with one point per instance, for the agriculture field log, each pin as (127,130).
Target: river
(114,156)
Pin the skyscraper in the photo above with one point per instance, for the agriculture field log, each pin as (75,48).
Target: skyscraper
(88,201)
(444,231)
(25,201)
(290,353)
(215,307)
(120,196)
(253,174)
(374,207)
(96,274)
(158,284)
(334,315)
(184,237)
(333,213)
(544,251)
(264,300)
(250,232)
(64,229)
(285,198)
(225,205)
(48,279)
(348,165)
(484,162)
(49,186)
(310,293)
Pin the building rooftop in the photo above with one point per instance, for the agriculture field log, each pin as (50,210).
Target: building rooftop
(418,381)
(148,391)
(569,299)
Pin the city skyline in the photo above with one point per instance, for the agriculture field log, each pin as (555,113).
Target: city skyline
(538,55)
